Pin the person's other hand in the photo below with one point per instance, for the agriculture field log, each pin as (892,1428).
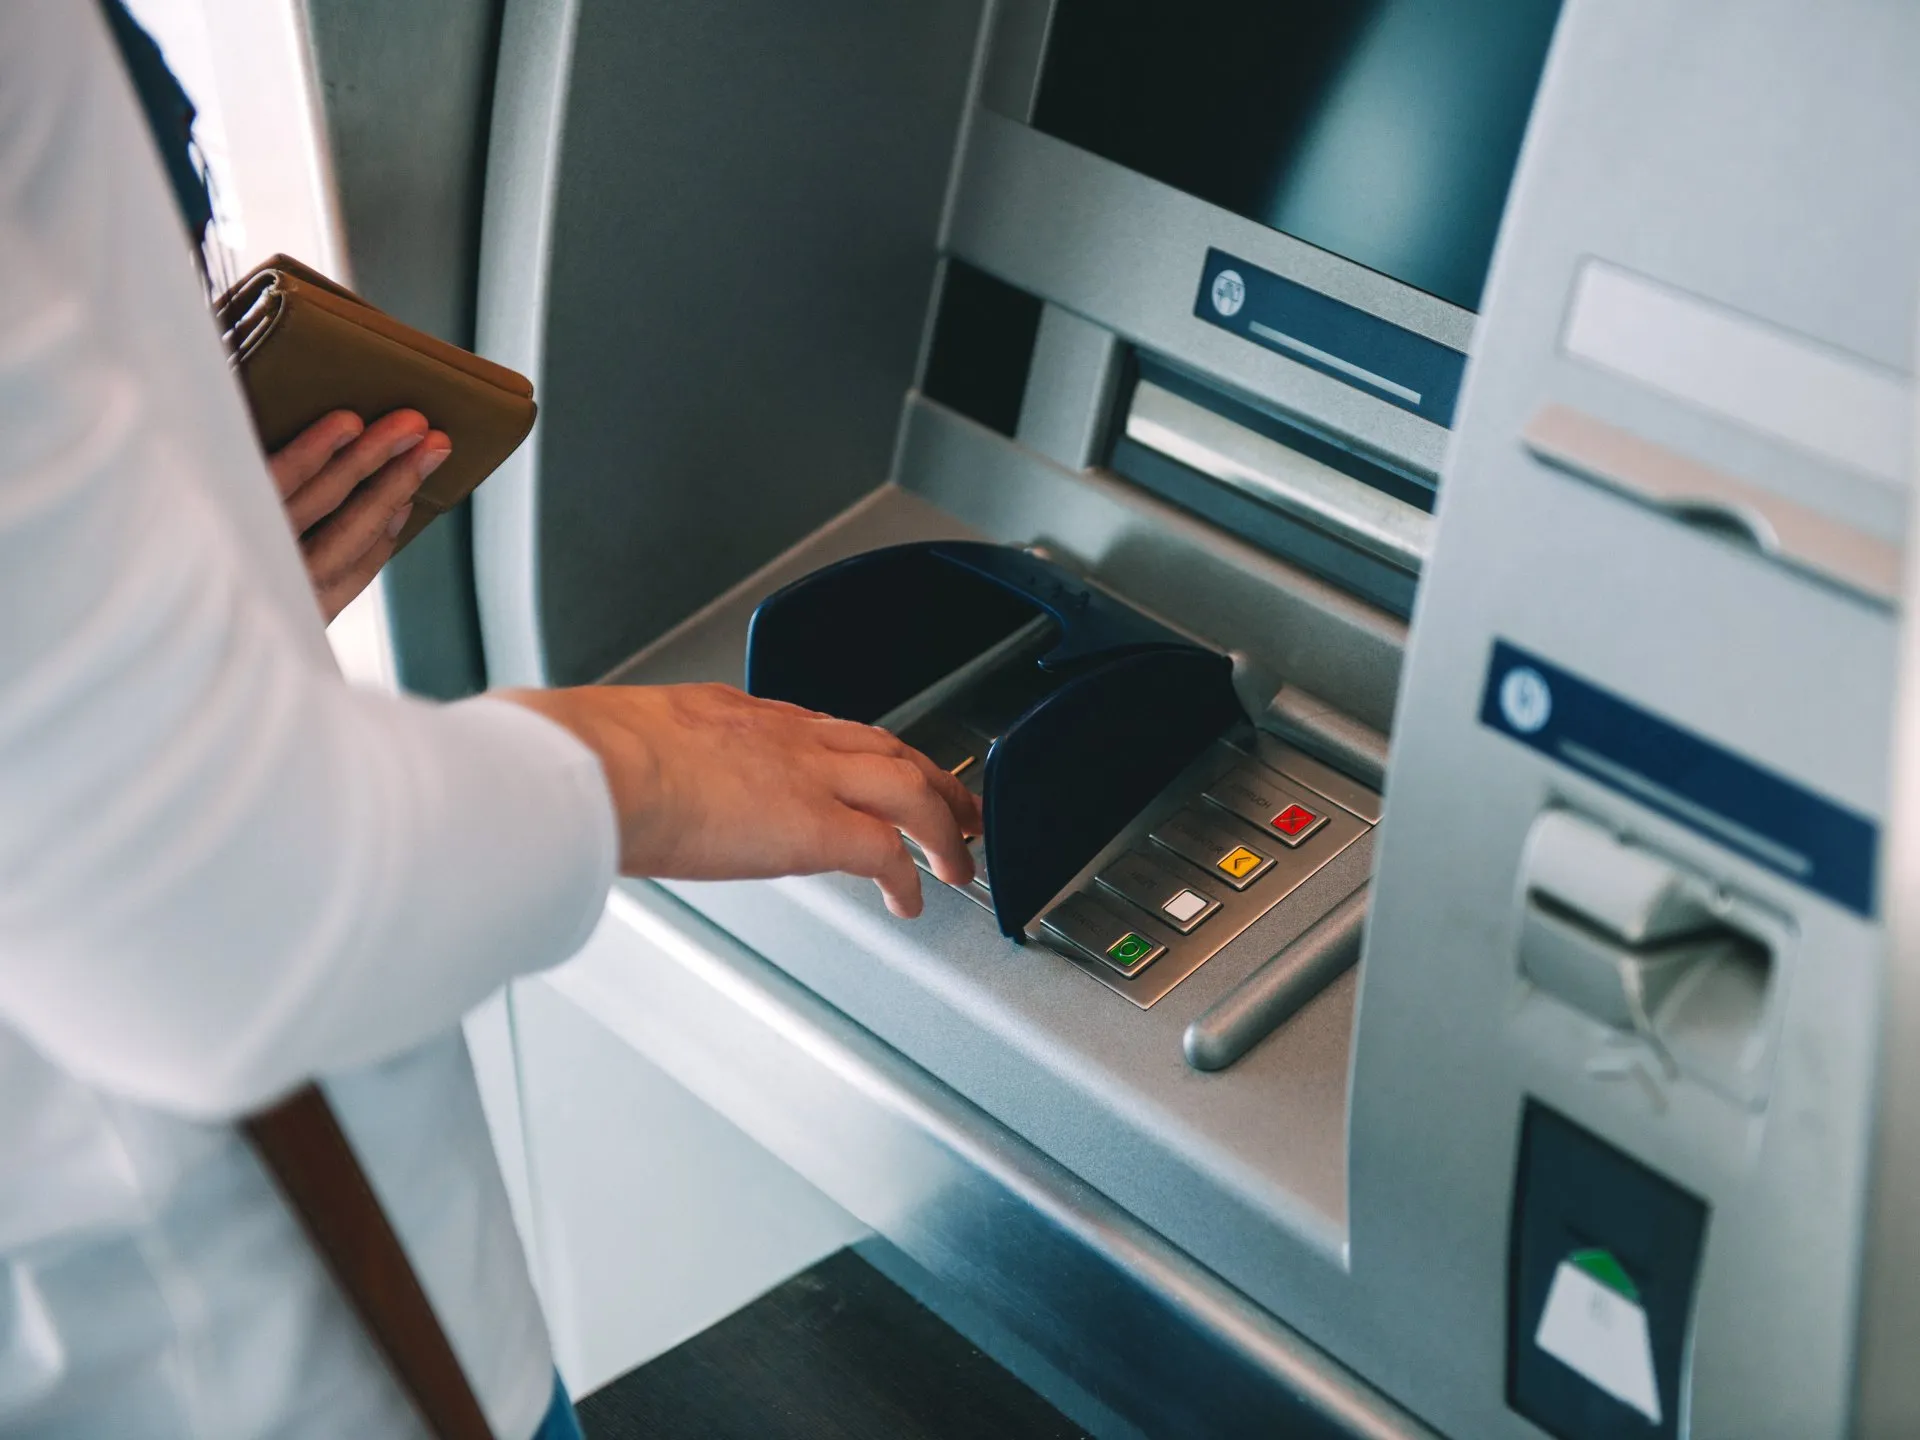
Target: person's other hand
(712,784)
(348,488)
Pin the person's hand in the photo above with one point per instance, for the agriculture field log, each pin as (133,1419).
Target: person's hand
(711,784)
(348,488)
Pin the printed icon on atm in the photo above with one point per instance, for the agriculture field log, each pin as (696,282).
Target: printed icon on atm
(1603,1266)
(1526,700)
(1293,820)
(1229,292)
(1595,1325)
(1239,862)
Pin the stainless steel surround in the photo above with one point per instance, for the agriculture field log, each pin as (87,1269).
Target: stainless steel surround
(1098,1085)
(1180,1353)
(713,258)
(1302,718)
(1656,476)
(1016,50)
(1043,215)
(1162,560)
(1072,384)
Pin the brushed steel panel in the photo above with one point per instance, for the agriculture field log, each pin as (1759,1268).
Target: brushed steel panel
(1126,252)
(1111,1304)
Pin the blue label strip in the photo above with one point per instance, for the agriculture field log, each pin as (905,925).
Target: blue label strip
(1763,816)
(1327,335)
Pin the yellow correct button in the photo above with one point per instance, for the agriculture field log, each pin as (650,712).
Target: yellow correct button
(1239,862)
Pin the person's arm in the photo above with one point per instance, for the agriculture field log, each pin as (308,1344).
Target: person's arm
(226,871)
(222,870)
(712,784)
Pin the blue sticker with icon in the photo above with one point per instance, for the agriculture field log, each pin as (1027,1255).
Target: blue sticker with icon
(1763,816)
(1328,335)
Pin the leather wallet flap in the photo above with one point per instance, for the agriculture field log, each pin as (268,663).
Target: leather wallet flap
(303,347)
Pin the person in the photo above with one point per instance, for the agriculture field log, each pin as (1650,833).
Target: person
(224,872)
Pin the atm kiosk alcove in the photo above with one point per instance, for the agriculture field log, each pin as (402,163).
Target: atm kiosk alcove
(1560,1155)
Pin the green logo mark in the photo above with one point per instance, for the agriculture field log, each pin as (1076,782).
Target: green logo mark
(1602,1267)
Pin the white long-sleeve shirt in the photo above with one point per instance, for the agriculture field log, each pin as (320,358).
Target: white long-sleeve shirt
(222,870)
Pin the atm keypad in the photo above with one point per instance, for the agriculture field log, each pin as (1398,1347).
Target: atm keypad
(1243,866)
(980,888)
(1187,908)
(1170,893)
(1159,890)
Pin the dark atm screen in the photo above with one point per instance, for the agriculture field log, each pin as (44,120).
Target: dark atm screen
(1383,130)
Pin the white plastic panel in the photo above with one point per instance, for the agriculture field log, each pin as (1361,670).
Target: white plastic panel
(1789,387)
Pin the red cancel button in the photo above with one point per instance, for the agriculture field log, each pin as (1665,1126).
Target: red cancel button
(1295,823)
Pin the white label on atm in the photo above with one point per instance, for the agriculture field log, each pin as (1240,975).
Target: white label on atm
(1594,1325)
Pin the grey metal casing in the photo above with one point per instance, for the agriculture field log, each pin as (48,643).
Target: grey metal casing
(412,218)
(710,235)
(1755,156)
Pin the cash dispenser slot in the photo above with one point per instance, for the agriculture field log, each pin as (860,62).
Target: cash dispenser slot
(1087,709)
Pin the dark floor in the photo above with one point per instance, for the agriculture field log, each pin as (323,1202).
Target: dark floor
(839,1352)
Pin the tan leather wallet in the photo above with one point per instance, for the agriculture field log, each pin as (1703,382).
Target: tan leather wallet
(303,346)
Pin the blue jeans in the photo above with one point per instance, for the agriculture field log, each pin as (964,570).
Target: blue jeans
(560,1423)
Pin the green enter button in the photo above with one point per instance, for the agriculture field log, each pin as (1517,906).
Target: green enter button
(1129,949)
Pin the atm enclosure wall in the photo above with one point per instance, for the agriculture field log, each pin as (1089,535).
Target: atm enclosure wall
(715,236)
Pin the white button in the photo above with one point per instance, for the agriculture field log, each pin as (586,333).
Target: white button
(1184,906)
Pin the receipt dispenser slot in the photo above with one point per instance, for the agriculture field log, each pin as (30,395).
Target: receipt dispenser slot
(1645,945)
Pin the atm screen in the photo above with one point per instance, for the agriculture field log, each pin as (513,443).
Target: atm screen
(1383,130)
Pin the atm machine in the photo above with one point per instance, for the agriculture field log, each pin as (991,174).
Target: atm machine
(1398,509)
